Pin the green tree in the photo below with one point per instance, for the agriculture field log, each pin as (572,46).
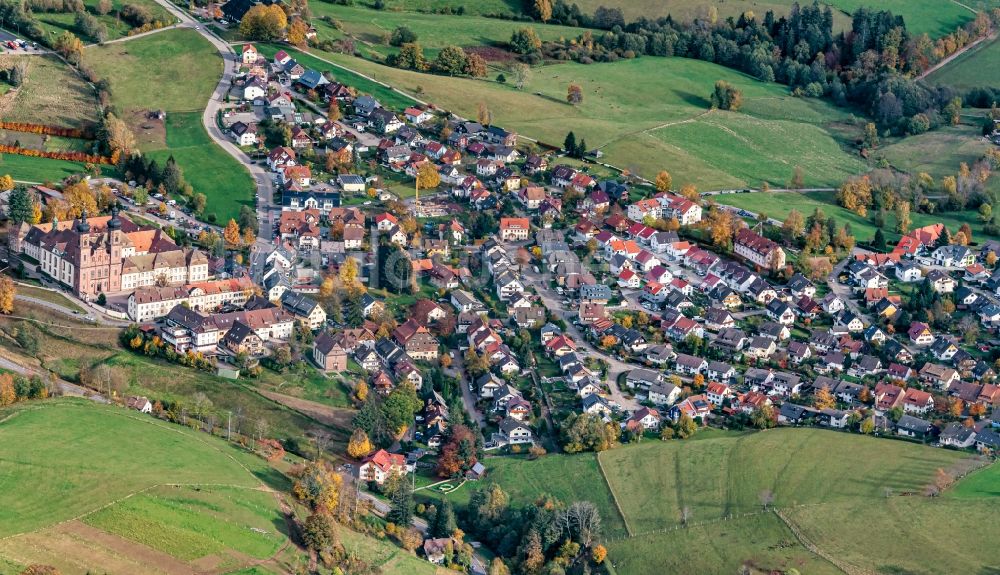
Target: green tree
(763,417)
(21,206)
(172,178)
(444,523)
(569,144)
(401,498)
(402,35)
(878,242)
(451,60)
(524,41)
(686,426)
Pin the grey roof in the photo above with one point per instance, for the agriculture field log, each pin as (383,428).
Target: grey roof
(297,303)
(914,424)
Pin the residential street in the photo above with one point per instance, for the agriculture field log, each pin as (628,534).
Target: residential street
(552,301)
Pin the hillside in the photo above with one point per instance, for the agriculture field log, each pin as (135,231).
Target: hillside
(175,71)
(102,487)
(653,113)
(717,479)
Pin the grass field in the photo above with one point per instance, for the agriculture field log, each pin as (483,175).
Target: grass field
(207,167)
(53,94)
(762,543)
(41,170)
(191,522)
(650,114)
(777,205)
(72,472)
(714,478)
(930,16)
(978,67)
(434,31)
(54,23)
(177,71)
(386,556)
(47,295)
(903,534)
(567,477)
(723,474)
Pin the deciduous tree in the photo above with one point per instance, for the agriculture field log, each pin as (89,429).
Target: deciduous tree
(574,94)
(664,181)
(359,446)
(264,23)
(231,234)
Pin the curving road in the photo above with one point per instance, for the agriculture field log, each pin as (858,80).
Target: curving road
(260,174)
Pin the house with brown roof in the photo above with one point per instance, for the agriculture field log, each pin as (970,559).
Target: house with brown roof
(328,353)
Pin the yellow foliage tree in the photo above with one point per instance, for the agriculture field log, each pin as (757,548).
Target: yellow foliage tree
(318,486)
(664,181)
(427,176)
(6,183)
(359,445)
(8,291)
(232,233)
(7,393)
(81,199)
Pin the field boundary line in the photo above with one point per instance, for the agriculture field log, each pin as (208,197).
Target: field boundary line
(813,548)
(614,496)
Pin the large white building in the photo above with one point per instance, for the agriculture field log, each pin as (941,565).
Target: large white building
(186,329)
(149,303)
(758,250)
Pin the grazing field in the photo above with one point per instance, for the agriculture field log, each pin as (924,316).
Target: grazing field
(777,205)
(41,170)
(190,523)
(52,94)
(177,71)
(939,152)
(650,114)
(567,477)
(386,556)
(979,67)
(930,16)
(762,543)
(718,477)
(903,534)
(434,31)
(982,484)
(55,23)
(70,470)
(206,166)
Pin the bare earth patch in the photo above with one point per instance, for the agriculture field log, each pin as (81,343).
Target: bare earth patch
(150,132)
(76,547)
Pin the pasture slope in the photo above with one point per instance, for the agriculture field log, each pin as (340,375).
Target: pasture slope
(95,487)
(979,67)
(175,71)
(827,484)
(650,113)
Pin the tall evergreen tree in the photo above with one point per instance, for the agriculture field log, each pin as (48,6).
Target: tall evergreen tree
(444,520)
(569,144)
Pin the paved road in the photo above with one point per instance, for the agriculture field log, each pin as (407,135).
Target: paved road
(260,174)
(457,370)
(551,300)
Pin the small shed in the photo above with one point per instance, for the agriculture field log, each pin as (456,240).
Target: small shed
(476,473)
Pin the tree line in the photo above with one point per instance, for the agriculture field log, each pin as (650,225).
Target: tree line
(873,64)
